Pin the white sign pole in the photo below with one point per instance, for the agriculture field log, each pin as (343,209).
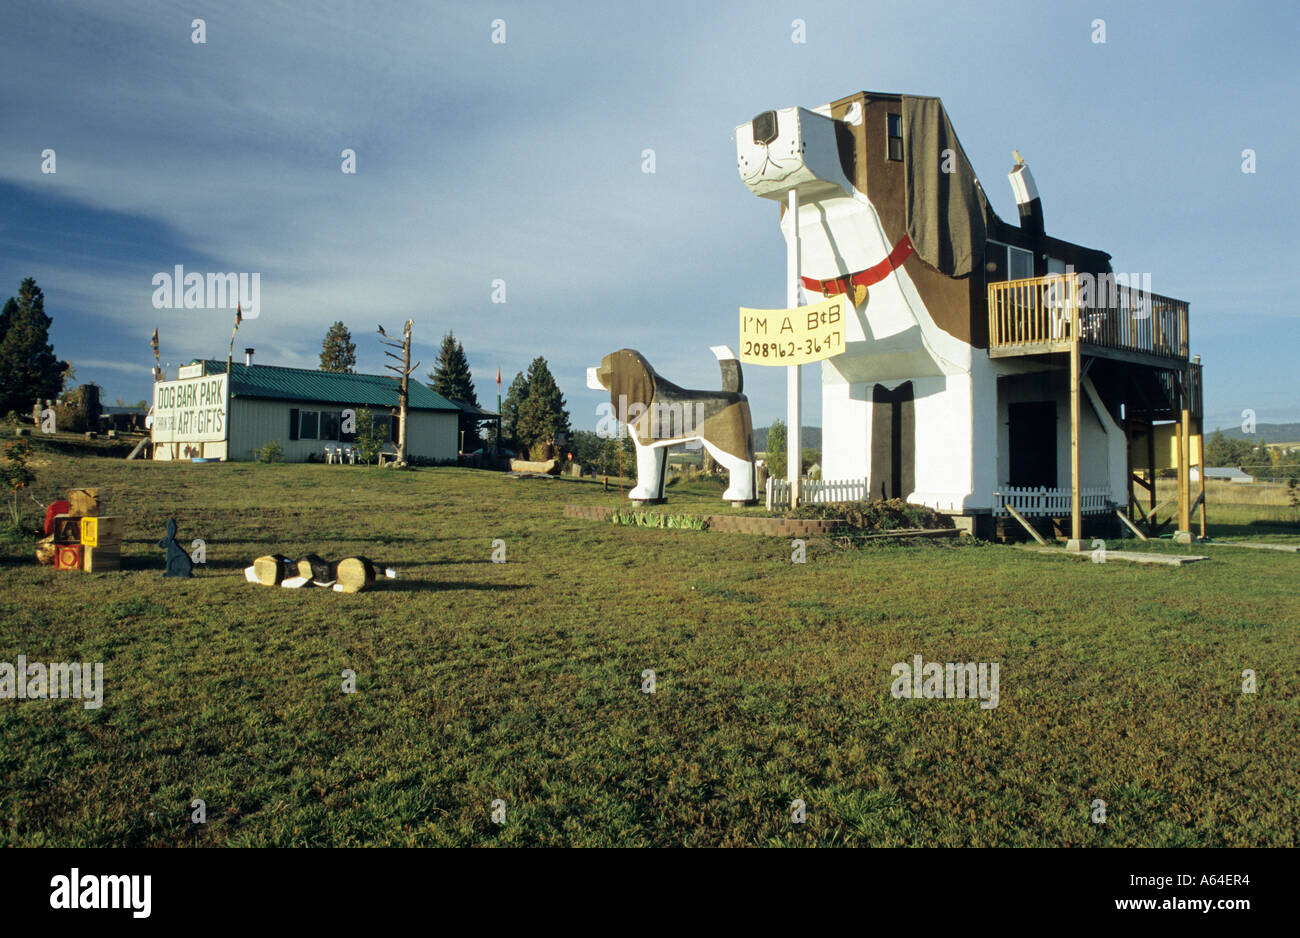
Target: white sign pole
(793,431)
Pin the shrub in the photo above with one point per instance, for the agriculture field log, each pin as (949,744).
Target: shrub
(369,439)
(890,515)
(16,474)
(271,452)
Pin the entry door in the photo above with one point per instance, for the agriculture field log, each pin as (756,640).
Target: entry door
(1031,438)
(893,441)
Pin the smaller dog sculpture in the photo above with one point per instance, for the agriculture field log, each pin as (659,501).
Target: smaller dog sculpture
(179,562)
(659,414)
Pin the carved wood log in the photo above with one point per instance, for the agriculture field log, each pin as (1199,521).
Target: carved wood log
(316,569)
(271,569)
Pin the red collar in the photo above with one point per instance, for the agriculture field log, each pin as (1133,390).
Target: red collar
(901,252)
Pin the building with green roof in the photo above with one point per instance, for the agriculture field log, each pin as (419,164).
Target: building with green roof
(305,411)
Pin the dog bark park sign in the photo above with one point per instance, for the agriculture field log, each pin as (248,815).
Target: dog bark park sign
(793,336)
(191,410)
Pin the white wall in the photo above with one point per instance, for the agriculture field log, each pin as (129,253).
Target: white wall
(1098,449)
(846,427)
(254,422)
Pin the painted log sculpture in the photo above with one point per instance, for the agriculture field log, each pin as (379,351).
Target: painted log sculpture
(179,562)
(349,575)
(659,414)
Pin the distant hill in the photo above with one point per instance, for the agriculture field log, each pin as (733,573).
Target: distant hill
(812,438)
(1264,433)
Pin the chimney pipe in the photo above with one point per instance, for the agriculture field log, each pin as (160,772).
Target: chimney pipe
(248,356)
(1027,200)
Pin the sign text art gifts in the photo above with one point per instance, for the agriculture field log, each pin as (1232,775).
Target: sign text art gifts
(793,336)
(191,410)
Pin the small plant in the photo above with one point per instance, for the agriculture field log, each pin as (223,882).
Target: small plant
(369,439)
(658,519)
(271,452)
(16,474)
(1293,493)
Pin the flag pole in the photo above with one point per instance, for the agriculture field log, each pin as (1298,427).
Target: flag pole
(239,317)
(794,415)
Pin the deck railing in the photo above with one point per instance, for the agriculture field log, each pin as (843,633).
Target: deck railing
(1046,313)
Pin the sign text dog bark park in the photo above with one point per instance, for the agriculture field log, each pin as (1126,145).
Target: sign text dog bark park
(191,410)
(793,336)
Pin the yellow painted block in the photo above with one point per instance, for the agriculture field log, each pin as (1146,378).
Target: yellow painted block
(101,532)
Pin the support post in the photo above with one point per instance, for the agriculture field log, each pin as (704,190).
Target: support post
(1184,533)
(1200,450)
(793,389)
(1076,513)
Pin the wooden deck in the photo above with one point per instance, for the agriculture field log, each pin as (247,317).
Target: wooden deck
(1050,315)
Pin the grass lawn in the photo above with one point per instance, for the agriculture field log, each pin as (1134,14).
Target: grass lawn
(522,681)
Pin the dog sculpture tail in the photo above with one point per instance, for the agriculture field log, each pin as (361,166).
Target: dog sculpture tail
(732,377)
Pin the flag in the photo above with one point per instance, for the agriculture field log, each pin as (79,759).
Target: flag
(239,317)
(153,344)
(498,377)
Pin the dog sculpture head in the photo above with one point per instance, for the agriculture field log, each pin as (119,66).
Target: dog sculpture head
(627,376)
(795,148)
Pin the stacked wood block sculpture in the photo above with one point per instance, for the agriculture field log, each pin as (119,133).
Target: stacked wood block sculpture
(350,575)
(82,538)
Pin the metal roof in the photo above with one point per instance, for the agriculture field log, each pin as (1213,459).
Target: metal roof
(305,384)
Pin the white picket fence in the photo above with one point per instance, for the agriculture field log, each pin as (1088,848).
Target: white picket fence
(816,490)
(1045,502)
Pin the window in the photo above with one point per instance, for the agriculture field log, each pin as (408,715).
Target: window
(1004,262)
(894,128)
(308,424)
(329,425)
(1020,263)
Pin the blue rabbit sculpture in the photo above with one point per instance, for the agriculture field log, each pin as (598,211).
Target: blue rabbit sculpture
(178,561)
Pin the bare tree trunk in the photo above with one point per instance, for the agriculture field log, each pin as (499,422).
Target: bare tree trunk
(406,375)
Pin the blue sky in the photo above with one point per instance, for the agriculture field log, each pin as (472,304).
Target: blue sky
(522,161)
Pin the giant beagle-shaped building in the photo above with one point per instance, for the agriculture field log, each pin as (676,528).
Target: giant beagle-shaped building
(955,386)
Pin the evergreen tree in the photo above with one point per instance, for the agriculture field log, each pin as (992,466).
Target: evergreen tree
(452,379)
(29,371)
(510,409)
(451,375)
(338,351)
(542,415)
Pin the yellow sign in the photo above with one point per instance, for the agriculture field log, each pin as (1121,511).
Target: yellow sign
(1166,448)
(793,336)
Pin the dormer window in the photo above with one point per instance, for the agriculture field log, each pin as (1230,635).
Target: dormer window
(894,133)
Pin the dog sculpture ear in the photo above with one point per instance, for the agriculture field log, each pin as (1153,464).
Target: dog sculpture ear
(631,379)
